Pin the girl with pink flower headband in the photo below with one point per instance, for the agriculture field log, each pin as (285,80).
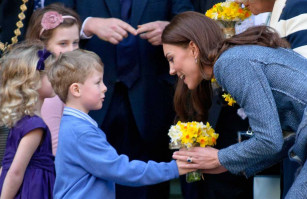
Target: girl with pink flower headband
(53,19)
(59,28)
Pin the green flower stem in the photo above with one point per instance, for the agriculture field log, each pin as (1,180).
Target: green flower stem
(193,176)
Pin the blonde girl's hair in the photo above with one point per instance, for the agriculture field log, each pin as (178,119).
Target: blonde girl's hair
(19,81)
(34,30)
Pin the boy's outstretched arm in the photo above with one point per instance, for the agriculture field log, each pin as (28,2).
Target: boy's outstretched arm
(101,160)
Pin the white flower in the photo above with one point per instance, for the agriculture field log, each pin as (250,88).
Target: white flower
(175,134)
(215,16)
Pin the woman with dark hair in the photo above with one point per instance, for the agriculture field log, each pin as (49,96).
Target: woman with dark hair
(261,74)
(228,123)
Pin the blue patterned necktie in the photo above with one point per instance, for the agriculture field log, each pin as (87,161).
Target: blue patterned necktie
(128,70)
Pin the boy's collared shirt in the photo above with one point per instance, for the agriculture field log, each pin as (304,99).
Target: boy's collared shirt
(79,114)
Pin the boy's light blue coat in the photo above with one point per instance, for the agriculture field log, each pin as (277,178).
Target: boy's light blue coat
(87,166)
(271,85)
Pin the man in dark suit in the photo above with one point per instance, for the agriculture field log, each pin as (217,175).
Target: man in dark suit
(9,10)
(203,5)
(138,110)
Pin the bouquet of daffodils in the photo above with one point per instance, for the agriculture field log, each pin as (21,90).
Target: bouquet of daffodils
(228,14)
(228,11)
(192,134)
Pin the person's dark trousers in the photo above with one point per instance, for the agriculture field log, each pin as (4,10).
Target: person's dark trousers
(225,185)
(4,131)
(289,171)
(122,133)
(218,186)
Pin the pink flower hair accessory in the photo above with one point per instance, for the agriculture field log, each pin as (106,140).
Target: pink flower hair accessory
(53,19)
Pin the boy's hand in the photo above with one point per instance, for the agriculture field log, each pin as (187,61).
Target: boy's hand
(181,170)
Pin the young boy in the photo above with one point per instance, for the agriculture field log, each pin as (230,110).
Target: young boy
(87,166)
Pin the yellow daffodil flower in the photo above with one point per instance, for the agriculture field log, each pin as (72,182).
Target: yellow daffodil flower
(192,134)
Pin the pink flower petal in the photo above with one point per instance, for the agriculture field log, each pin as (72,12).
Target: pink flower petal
(51,20)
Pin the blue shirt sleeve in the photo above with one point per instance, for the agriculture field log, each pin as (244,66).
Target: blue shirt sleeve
(101,160)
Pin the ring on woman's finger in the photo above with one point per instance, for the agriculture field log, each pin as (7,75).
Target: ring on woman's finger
(189,159)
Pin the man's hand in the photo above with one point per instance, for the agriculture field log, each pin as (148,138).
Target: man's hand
(108,29)
(152,31)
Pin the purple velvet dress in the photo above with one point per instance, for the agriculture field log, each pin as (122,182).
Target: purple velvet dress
(40,174)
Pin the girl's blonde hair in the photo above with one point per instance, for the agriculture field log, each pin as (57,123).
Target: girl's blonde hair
(19,81)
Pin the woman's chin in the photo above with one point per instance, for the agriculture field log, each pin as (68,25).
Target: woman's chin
(193,83)
(191,86)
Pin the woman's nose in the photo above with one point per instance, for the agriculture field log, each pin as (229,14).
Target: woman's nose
(172,71)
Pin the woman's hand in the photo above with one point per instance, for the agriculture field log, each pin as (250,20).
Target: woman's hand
(181,170)
(217,170)
(204,158)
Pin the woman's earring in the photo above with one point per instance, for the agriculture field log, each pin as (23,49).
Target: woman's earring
(196,61)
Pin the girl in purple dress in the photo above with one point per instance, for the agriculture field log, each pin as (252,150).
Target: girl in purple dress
(28,164)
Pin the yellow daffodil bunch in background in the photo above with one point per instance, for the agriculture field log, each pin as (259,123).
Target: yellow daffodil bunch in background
(227,14)
(228,11)
(192,134)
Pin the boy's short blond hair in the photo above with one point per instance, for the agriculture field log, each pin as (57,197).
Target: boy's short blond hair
(73,67)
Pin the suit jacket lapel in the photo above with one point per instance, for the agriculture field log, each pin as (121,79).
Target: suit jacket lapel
(138,7)
(114,8)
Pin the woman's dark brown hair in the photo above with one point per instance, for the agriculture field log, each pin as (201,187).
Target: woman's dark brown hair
(34,28)
(208,37)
